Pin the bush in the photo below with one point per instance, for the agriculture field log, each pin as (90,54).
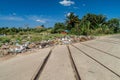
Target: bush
(4,40)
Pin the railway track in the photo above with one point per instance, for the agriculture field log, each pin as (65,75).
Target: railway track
(96,61)
(41,67)
(101,51)
(70,62)
(113,40)
(110,41)
(77,76)
(38,72)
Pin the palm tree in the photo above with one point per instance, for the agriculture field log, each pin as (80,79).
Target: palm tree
(72,20)
(114,23)
(95,20)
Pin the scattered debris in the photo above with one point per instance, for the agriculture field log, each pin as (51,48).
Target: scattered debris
(27,46)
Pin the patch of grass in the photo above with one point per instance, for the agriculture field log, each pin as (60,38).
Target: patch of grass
(4,40)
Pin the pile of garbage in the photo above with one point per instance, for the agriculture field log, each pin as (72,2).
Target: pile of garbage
(21,48)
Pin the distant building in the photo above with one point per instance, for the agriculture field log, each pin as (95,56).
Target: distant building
(65,32)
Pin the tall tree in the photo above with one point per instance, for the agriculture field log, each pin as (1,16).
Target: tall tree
(95,20)
(58,27)
(114,23)
(72,20)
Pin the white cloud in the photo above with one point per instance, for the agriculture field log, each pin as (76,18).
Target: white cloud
(41,21)
(34,18)
(11,18)
(68,14)
(67,2)
(37,18)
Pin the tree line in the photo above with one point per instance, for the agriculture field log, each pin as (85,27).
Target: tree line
(88,24)
(14,30)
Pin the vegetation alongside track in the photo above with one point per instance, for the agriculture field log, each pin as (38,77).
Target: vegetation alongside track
(90,24)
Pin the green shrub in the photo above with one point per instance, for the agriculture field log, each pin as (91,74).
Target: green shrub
(4,39)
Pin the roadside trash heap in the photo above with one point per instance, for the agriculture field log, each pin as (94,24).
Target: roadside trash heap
(27,46)
(19,48)
(4,50)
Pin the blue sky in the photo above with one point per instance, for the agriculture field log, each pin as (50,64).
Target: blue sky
(19,13)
